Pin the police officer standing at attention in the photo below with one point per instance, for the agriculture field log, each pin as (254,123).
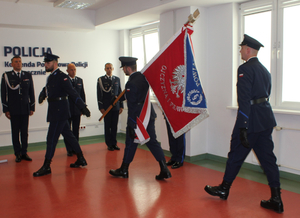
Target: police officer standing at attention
(57,90)
(108,88)
(74,120)
(136,92)
(253,127)
(18,101)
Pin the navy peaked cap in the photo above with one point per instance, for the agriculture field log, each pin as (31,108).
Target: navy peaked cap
(251,42)
(50,57)
(127,61)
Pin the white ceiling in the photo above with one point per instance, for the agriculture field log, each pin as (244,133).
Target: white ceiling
(139,17)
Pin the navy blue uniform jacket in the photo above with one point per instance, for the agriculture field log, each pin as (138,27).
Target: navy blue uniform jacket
(136,92)
(59,85)
(112,88)
(21,100)
(254,82)
(78,86)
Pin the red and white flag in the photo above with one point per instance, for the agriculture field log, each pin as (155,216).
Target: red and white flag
(142,122)
(173,76)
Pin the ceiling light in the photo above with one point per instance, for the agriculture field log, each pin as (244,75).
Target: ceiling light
(73,4)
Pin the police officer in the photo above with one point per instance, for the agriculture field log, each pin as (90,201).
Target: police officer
(57,90)
(74,120)
(108,88)
(136,92)
(253,127)
(18,101)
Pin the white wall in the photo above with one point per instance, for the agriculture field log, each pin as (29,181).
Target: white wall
(95,47)
(170,23)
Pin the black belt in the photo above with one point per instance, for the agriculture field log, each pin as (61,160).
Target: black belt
(257,101)
(58,99)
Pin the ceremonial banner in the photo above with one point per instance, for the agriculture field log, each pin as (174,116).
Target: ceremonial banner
(173,76)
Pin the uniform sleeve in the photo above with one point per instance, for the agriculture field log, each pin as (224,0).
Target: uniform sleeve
(31,94)
(244,87)
(99,96)
(3,95)
(122,98)
(82,93)
(132,103)
(67,86)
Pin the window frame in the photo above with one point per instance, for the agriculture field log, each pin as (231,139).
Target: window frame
(142,31)
(276,66)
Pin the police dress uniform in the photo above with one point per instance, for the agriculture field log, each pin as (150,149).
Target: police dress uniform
(57,90)
(107,89)
(74,120)
(136,92)
(253,128)
(254,82)
(17,95)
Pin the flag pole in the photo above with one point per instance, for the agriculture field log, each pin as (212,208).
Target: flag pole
(111,106)
(193,17)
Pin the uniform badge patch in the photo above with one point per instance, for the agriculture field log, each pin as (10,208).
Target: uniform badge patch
(241,75)
(65,79)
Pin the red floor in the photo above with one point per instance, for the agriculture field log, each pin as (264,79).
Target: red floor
(91,192)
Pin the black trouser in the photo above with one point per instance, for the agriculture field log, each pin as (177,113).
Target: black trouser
(19,124)
(74,121)
(152,144)
(55,129)
(177,145)
(111,127)
(263,146)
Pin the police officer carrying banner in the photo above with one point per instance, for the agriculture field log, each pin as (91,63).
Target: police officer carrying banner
(18,101)
(57,90)
(254,126)
(136,92)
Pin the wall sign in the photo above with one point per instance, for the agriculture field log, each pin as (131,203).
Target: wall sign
(34,52)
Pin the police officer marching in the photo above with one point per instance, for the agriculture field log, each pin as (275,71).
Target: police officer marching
(57,91)
(18,102)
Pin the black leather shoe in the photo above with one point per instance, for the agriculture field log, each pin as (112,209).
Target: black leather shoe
(70,153)
(79,162)
(164,171)
(177,165)
(45,170)
(222,190)
(26,157)
(275,202)
(18,158)
(170,162)
(116,147)
(110,148)
(121,172)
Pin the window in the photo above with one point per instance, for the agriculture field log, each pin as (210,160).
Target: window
(144,43)
(274,23)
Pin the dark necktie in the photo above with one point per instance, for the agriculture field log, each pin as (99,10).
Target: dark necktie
(73,82)
(18,74)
